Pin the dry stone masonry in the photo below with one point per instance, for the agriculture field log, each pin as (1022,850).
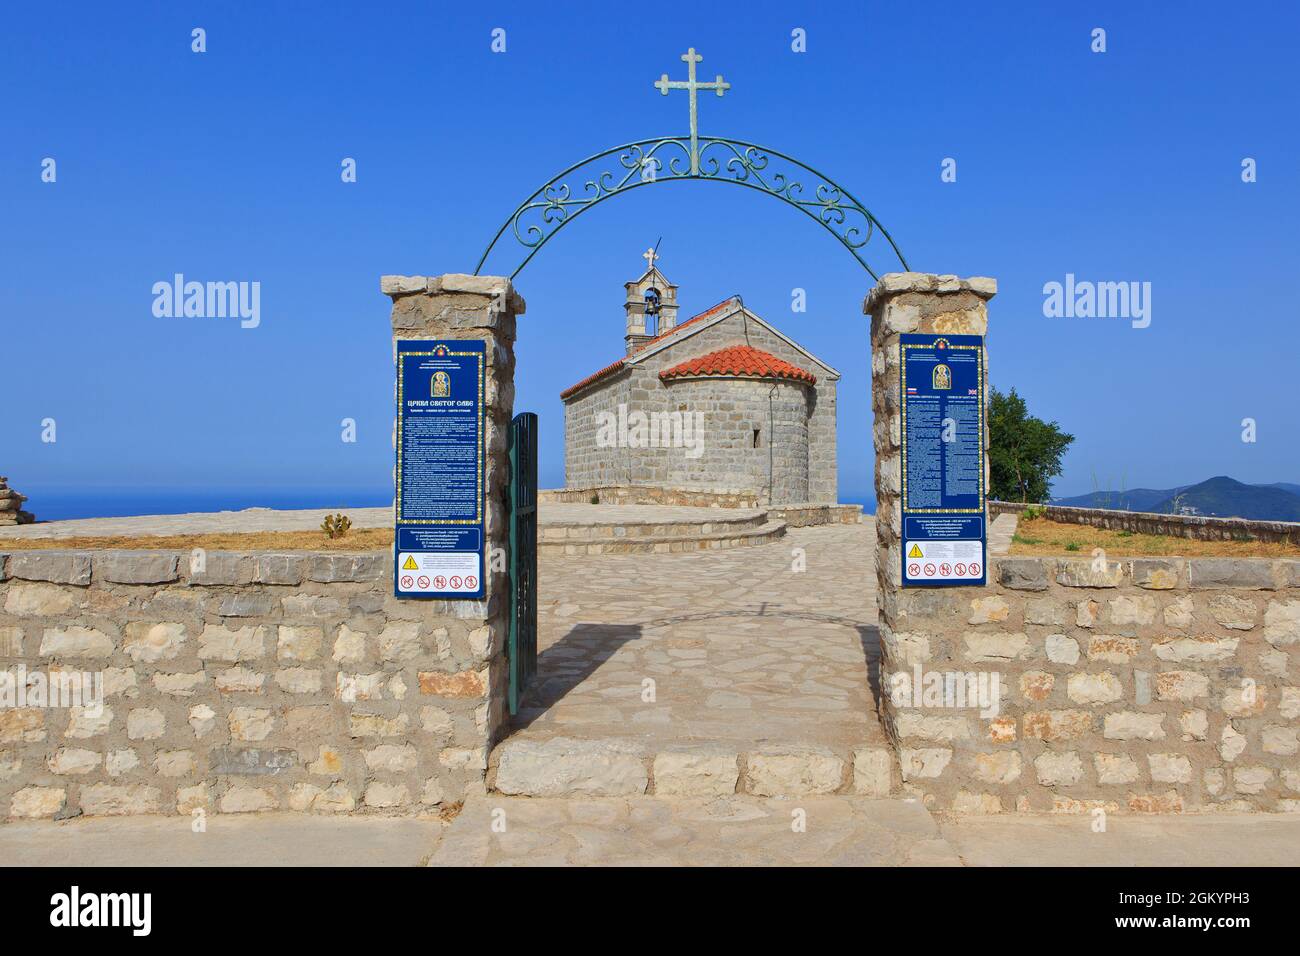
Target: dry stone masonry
(1144,685)
(11,506)
(237,682)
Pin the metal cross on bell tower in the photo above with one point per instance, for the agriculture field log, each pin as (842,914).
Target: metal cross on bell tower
(663,85)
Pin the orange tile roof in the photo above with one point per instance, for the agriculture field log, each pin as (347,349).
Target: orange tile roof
(739,361)
(613,367)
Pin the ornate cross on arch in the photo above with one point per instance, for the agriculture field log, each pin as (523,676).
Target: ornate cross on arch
(663,85)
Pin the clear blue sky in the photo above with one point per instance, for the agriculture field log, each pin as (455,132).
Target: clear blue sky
(225,166)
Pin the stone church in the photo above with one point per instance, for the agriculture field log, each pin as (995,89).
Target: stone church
(720,404)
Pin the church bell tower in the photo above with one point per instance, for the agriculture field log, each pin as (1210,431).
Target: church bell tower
(651,305)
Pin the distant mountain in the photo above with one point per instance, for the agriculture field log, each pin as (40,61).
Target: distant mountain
(1220,497)
(1285,486)
(1130,499)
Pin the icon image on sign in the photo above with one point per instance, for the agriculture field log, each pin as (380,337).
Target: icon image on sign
(471,582)
(407,581)
(913,569)
(945,570)
(961,569)
(423,581)
(975,570)
(410,564)
(455,582)
(915,552)
(929,570)
(440,582)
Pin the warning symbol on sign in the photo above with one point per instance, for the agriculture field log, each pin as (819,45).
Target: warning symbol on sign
(410,564)
(915,552)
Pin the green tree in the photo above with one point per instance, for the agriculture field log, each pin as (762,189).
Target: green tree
(1024,451)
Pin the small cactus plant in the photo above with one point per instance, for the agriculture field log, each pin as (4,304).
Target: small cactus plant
(336,526)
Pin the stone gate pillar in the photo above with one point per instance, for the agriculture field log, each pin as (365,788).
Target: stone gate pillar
(905,302)
(470,634)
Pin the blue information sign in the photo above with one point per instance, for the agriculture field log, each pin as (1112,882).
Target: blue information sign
(942,431)
(439,547)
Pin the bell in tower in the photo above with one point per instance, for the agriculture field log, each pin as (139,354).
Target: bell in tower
(651,305)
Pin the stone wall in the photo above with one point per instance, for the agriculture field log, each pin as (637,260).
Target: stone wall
(1195,527)
(1147,685)
(240,682)
(484,308)
(653,495)
(1067,685)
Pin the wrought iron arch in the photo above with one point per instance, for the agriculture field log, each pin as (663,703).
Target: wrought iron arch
(707,158)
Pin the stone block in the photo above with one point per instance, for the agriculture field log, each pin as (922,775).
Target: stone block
(148,643)
(221,568)
(1057,724)
(1130,725)
(1243,573)
(334,568)
(1058,769)
(285,569)
(923,763)
(1156,574)
(32,803)
(107,800)
(873,771)
(39,600)
(1088,573)
(55,567)
(1282,623)
(696,772)
(246,604)
(137,567)
(1022,574)
(1234,613)
(563,767)
(75,641)
(221,643)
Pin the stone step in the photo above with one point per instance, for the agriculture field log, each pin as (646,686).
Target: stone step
(720,536)
(675,522)
(613,767)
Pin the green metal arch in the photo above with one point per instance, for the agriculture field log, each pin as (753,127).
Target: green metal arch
(673,158)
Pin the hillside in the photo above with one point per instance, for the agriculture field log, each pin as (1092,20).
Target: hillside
(1220,496)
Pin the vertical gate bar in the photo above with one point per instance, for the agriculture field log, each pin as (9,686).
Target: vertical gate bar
(530,423)
(513,649)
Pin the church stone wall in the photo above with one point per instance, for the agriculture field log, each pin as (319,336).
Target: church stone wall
(586,463)
(803,461)
(731,456)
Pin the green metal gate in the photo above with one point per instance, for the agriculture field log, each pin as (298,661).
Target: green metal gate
(522,649)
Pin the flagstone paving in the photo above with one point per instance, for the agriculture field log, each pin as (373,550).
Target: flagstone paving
(767,651)
(725,831)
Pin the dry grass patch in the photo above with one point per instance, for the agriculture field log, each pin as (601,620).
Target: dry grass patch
(358,539)
(1042,536)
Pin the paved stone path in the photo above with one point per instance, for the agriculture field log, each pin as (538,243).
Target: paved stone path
(744,831)
(267,519)
(738,650)
(1001,530)
(725,831)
